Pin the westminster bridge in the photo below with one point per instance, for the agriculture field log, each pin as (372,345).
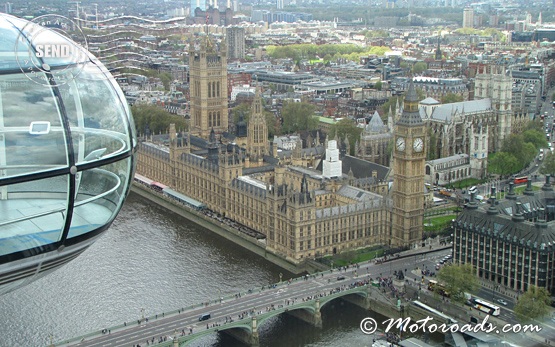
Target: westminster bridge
(241,314)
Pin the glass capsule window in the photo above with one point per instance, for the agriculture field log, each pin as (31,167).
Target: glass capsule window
(66,145)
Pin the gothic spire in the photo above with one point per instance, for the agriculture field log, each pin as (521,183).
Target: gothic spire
(439,56)
(410,115)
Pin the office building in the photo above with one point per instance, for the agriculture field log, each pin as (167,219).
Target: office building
(468,18)
(510,241)
(235,39)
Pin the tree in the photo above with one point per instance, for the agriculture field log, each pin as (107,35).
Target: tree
(502,163)
(537,138)
(528,153)
(420,93)
(419,67)
(535,125)
(458,279)
(467,31)
(391,102)
(155,119)
(451,97)
(533,304)
(523,151)
(378,85)
(346,127)
(166,79)
(432,148)
(271,124)
(298,116)
(375,33)
(516,152)
(548,165)
(244,109)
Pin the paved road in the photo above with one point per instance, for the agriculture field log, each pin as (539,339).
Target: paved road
(259,300)
(487,294)
(243,306)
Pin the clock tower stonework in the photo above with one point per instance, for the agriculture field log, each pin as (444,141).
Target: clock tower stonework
(409,158)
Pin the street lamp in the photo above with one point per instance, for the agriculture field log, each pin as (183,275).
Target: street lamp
(493,289)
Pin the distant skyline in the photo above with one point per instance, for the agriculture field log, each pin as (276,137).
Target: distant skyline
(365,15)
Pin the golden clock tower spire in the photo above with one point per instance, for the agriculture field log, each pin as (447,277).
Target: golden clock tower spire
(409,157)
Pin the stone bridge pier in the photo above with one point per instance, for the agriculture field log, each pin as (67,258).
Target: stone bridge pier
(248,337)
(362,301)
(377,302)
(312,316)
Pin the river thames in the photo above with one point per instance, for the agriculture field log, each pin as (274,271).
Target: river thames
(152,261)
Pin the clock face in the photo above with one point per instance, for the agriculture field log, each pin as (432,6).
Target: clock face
(418,144)
(400,144)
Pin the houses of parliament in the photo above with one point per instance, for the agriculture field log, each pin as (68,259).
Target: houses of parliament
(307,202)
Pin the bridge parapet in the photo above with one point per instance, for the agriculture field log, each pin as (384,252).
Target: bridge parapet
(247,331)
(361,292)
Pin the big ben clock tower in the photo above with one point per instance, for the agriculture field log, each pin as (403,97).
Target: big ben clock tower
(409,157)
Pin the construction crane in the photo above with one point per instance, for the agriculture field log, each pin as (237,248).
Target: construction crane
(77,18)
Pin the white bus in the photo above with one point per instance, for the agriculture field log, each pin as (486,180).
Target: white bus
(487,307)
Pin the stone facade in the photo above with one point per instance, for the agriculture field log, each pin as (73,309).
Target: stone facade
(476,127)
(376,141)
(208,87)
(300,213)
(409,156)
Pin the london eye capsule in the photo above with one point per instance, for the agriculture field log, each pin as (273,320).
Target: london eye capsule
(67,141)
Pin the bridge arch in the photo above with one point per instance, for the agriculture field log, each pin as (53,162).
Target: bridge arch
(246,330)
(242,330)
(355,295)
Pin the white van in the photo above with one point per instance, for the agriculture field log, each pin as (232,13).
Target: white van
(472,189)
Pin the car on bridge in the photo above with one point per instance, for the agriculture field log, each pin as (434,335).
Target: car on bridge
(502,302)
(205,316)
(340,278)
